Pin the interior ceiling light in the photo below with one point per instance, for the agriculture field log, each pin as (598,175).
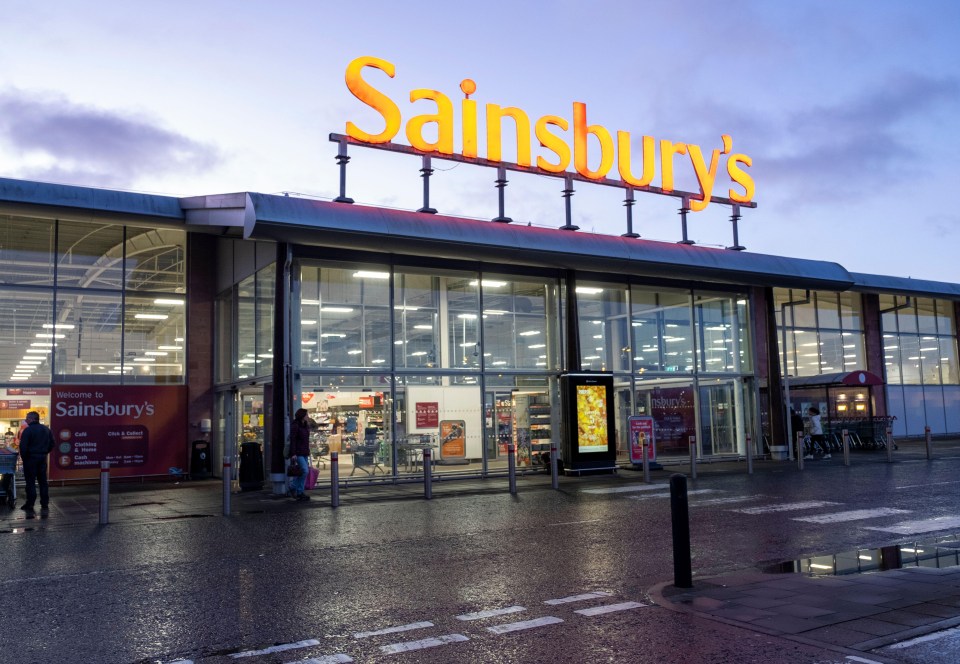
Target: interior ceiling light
(529,333)
(44,335)
(369,274)
(169,347)
(337,310)
(489,283)
(58,326)
(161,300)
(307,321)
(586,290)
(151,316)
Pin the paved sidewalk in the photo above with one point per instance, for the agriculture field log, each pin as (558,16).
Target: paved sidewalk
(853,614)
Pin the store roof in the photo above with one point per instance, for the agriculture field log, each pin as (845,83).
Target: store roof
(875,283)
(67,200)
(313,222)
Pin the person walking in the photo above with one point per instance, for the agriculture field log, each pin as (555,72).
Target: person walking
(300,450)
(36,442)
(816,432)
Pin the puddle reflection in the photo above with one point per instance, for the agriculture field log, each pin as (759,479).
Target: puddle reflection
(939,552)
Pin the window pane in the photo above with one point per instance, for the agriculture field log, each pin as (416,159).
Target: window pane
(926,317)
(265,280)
(891,358)
(907,316)
(662,331)
(246,364)
(151,327)
(850,311)
(89,255)
(516,327)
(416,317)
(91,350)
(831,352)
(852,351)
(948,361)
(910,356)
(828,313)
(720,333)
(807,352)
(945,310)
(601,310)
(25,356)
(888,317)
(930,360)
(156,260)
(26,251)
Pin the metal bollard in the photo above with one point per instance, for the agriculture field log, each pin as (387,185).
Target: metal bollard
(512,467)
(889,445)
(334,479)
(929,440)
(104,492)
(227,477)
(427,475)
(693,457)
(846,447)
(680,519)
(749,455)
(646,459)
(554,471)
(800,450)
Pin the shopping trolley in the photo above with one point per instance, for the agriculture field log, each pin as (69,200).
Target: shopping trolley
(8,482)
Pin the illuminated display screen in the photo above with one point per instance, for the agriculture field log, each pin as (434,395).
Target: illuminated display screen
(592,434)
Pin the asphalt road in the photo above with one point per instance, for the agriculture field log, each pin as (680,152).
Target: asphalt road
(483,577)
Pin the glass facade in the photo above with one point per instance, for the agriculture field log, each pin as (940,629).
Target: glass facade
(91,302)
(819,332)
(920,358)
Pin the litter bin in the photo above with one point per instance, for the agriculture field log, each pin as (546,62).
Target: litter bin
(200,468)
(251,466)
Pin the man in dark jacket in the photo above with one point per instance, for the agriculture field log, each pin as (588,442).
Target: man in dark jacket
(36,442)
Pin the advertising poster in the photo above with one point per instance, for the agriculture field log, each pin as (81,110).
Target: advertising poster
(139,429)
(592,418)
(641,431)
(675,419)
(453,439)
(428,414)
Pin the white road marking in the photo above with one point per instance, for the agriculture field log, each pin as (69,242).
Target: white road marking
(919,486)
(326,659)
(784,507)
(852,515)
(578,598)
(924,639)
(732,499)
(393,630)
(854,658)
(479,615)
(921,526)
(394,648)
(280,648)
(647,496)
(574,523)
(526,624)
(629,488)
(610,608)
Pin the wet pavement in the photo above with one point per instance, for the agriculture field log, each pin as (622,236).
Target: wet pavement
(861,617)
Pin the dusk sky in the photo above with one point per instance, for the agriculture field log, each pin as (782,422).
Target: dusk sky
(848,109)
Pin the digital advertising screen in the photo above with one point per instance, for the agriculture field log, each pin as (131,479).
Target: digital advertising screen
(589,439)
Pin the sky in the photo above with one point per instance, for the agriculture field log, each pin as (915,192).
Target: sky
(848,109)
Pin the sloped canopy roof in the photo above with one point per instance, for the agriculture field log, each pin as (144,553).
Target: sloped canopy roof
(850,378)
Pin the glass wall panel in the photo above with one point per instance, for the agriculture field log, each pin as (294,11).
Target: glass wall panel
(722,343)
(347,311)
(151,328)
(416,317)
(89,255)
(27,335)
(951,407)
(852,351)
(264,288)
(910,359)
(156,260)
(891,358)
(662,331)
(807,352)
(246,338)
(906,315)
(850,306)
(91,350)
(26,250)
(828,311)
(926,316)
(948,363)
(833,343)
(519,326)
(604,342)
(945,317)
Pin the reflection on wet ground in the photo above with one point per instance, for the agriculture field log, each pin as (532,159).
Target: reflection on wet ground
(937,553)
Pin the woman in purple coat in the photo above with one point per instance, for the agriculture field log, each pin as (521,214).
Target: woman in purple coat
(300,450)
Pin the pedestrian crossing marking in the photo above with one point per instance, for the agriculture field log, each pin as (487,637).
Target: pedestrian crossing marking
(731,499)
(339,658)
(666,494)
(610,608)
(852,515)
(394,630)
(526,624)
(629,488)
(578,598)
(479,615)
(432,642)
(785,507)
(920,526)
(278,648)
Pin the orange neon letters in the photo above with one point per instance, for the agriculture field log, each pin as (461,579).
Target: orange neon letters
(549,131)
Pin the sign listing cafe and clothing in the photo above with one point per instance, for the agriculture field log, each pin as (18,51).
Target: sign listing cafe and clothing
(552,133)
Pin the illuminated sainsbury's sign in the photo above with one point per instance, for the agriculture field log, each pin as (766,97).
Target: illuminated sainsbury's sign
(552,132)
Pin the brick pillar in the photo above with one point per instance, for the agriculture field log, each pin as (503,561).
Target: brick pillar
(873,349)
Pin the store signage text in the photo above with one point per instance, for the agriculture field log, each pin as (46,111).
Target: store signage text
(551,132)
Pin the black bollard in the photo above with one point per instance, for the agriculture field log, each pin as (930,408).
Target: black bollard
(680,518)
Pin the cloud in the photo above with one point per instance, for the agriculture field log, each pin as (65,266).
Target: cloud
(52,138)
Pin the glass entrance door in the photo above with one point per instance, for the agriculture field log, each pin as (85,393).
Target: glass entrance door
(498,424)
(718,417)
